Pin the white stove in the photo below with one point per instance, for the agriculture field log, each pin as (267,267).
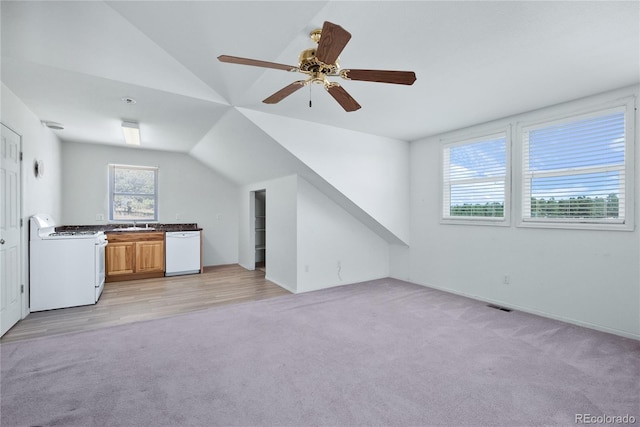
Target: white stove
(66,267)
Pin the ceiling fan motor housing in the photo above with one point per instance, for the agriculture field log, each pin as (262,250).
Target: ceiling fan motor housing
(310,64)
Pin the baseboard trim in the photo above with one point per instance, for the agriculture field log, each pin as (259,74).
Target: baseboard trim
(293,291)
(540,313)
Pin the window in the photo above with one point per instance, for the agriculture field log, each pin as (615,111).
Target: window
(574,170)
(475,180)
(133,193)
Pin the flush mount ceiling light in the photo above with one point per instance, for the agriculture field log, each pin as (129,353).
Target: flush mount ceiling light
(53,125)
(131,131)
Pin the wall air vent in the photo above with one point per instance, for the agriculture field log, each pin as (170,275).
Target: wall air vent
(497,307)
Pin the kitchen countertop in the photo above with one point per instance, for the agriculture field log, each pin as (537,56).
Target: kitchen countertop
(114,227)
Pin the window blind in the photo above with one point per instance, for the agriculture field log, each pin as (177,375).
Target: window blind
(574,170)
(474,178)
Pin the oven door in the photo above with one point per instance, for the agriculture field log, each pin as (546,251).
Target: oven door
(99,273)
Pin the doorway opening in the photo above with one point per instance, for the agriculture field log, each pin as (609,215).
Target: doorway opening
(260,229)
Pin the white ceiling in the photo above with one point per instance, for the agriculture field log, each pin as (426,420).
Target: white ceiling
(72,62)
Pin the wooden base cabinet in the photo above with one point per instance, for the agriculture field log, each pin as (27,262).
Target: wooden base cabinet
(132,256)
(119,258)
(150,257)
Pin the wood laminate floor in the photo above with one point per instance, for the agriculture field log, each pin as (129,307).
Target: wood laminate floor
(136,300)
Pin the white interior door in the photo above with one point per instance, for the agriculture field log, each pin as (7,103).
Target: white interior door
(10,296)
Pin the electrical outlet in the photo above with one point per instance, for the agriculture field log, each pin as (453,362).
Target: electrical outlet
(306,268)
(99,217)
(506,280)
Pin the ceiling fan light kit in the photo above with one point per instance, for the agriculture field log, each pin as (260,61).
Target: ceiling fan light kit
(322,62)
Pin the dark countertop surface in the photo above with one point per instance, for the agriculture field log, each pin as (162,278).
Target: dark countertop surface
(114,227)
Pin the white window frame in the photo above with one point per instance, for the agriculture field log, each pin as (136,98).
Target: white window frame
(112,168)
(626,199)
(445,197)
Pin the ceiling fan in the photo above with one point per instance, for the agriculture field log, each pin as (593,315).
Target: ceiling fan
(321,62)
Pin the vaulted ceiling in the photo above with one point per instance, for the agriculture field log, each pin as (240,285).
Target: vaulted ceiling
(73,62)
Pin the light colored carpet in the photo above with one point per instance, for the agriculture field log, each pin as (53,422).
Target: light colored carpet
(383,352)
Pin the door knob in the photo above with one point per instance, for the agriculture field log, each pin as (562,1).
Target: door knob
(1,241)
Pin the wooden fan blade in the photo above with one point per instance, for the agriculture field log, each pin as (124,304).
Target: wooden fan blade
(256,63)
(333,39)
(343,98)
(284,92)
(380,76)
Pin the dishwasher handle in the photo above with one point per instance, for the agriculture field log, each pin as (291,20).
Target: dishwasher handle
(182,234)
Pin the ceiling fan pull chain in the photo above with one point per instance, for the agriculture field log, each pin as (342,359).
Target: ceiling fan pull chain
(309,96)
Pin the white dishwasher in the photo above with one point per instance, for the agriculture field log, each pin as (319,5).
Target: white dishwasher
(182,253)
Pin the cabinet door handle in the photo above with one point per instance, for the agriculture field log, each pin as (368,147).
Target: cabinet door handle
(1,241)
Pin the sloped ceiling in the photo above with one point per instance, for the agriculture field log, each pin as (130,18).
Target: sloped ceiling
(256,156)
(72,62)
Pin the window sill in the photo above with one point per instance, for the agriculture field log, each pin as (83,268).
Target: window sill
(502,222)
(577,225)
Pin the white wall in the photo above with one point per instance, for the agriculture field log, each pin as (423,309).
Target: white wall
(188,192)
(399,261)
(281,253)
(39,195)
(334,248)
(585,277)
(307,234)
